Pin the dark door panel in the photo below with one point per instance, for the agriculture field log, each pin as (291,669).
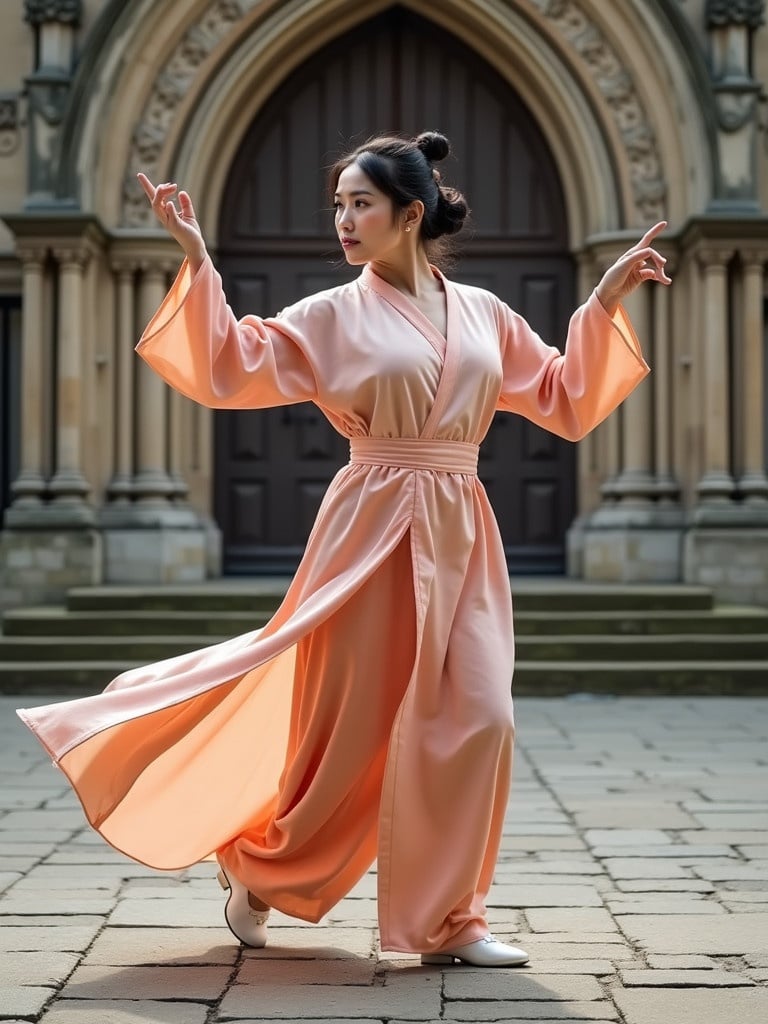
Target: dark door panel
(276,244)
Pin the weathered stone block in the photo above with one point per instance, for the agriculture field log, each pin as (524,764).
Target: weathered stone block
(734,561)
(39,565)
(632,554)
(155,555)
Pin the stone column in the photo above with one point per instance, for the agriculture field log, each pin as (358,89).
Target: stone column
(753,484)
(726,546)
(716,485)
(29,486)
(635,483)
(665,486)
(151,535)
(50,546)
(152,483)
(633,539)
(176,446)
(120,488)
(588,468)
(68,486)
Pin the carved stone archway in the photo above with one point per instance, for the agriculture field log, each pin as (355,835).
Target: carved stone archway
(591,74)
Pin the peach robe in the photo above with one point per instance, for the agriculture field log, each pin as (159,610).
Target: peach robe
(372,716)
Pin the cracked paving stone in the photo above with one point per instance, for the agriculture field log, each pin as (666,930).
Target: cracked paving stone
(32,904)
(523,896)
(418,1000)
(315,942)
(133,947)
(519,984)
(23,1000)
(506,1011)
(103,1011)
(571,920)
(569,949)
(189,914)
(692,1006)
(37,968)
(682,978)
(626,837)
(665,885)
(74,939)
(726,934)
(206,983)
(353,971)
(682,963)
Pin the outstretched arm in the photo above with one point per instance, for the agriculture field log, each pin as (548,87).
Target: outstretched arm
(570,393)
(198,346)
(180,224)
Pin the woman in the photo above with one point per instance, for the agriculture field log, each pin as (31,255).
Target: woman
(372,716)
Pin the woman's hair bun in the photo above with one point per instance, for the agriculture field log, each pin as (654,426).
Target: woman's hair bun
(433,145)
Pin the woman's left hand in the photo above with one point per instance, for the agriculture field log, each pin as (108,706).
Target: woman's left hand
(638,264)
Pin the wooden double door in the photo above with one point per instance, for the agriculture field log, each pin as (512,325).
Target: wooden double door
(402,73)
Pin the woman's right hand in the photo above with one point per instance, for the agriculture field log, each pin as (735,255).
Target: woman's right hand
(180,224)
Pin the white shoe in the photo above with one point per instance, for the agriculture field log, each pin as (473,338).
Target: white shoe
(245,923)
(487,952)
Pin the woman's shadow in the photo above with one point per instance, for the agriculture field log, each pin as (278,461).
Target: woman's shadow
(293,983)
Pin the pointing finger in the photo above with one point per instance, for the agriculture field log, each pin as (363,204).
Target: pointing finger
(651,233)
(146,184)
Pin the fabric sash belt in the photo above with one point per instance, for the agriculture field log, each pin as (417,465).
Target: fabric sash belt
(415,453)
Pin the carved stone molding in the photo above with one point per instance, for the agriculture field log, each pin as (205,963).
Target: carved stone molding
(754,257)
(9,124)
(735,12)
(714,257)
(72,255)
(31,253)
(65,12)
(168,90)
(649,188)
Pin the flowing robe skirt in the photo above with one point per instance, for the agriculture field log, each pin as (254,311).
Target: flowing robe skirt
(372,716)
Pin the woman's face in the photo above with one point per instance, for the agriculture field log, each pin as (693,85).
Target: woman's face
(365,221)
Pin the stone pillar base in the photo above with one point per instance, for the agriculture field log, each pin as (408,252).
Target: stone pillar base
(574,548)
(154,544)
(626,544)
(38,566)
(214,552)
(155,555)
(733,562)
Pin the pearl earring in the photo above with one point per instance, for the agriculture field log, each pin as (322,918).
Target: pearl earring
(408,229)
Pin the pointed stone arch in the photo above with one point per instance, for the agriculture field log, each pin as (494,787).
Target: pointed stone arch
(603,81)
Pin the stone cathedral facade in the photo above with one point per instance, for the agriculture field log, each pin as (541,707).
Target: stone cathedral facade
(576,124)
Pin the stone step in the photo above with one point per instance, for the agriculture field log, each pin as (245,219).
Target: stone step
(59,621)
(545,679)
(726,619)
(529,648)
(530,594)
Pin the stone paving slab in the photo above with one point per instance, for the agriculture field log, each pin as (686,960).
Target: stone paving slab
(142,1011)
(151,982)
(634,870)
(717,935)
(694,1006)
(23,1000)
(683,978)
(503,1010)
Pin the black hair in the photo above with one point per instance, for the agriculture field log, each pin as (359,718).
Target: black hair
(403,169)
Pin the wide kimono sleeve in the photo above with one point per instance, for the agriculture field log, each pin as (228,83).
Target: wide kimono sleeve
(196,344)
(570,393)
